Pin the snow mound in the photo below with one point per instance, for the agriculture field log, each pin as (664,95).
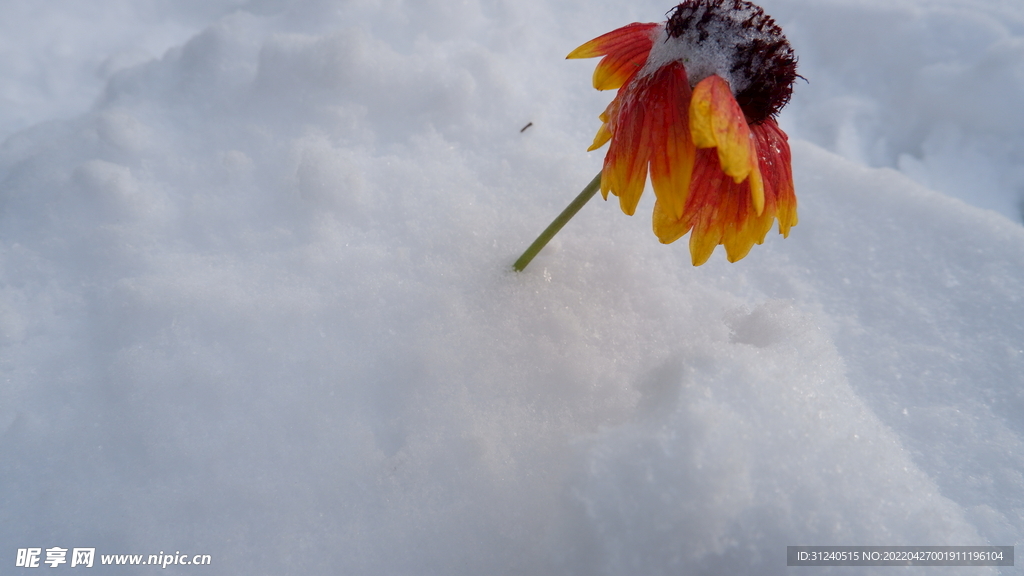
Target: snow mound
(257,303)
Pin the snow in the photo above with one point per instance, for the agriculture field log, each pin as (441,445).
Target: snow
(255,297)
(710,45)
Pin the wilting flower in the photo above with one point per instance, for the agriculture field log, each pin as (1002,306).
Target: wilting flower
(695,108)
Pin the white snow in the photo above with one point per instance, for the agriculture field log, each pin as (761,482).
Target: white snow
(255,298)
(710,48)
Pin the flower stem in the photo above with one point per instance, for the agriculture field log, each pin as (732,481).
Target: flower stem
(557,224)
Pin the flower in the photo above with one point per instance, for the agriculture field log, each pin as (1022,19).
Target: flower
(695,108)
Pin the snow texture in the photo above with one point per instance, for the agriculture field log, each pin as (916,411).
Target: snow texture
(256,298)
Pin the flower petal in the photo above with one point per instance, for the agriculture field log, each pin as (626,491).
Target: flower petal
(718,210)
(625,165)
(604,133)
(625,50)
(648,121)
(672,158)
(667,227)
(707,207)
(775,164)
(601,138)
(615,40)
(757,190)
(716,121)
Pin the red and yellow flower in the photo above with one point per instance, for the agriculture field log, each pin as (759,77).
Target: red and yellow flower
(695,110)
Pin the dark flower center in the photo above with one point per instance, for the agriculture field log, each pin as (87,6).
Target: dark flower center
(762,65)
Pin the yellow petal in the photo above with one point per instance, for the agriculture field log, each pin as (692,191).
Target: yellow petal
(602,138)
(667,226)
(716,121)
(757,189)
(702,243)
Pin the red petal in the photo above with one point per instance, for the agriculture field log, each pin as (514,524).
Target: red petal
(616,40)
(776,167)
(625,50)
(649,126)
(625,165)
(720,211)
(672,158)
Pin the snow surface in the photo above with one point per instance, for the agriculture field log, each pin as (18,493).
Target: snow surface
(255,298)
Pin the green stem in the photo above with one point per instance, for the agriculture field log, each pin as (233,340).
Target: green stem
(557,224)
